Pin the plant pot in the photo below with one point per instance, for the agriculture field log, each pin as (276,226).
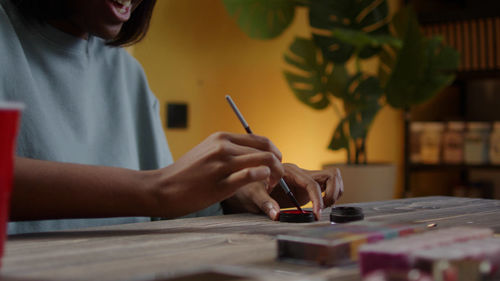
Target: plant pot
(363,183)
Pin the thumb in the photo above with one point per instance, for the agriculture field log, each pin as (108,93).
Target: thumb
(271,209)
(267,204)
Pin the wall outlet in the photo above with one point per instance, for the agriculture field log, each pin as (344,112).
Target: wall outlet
(177,115)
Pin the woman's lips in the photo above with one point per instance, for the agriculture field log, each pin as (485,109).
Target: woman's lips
(121,9)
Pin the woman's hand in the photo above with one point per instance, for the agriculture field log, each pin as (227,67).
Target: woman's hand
(214,170)
(328,181)
(305,185)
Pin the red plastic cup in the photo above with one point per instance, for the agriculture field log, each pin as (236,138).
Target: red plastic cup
(9,123)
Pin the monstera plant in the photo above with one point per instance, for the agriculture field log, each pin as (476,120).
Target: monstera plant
(329,66)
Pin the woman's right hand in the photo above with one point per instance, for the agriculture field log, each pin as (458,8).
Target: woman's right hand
(214,170)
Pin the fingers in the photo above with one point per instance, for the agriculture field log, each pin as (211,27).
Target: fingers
(258,159)
(339,182)
(244,177)
(331,182)
(331,193)
(298,177)
(267,205)
(235,152)
(250,140)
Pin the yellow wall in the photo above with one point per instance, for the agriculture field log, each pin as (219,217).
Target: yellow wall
(196,53)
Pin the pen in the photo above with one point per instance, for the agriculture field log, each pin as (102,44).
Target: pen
(282,182)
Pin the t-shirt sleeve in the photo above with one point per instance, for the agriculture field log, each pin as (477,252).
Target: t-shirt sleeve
(159,155)
(165,158)
(7,40)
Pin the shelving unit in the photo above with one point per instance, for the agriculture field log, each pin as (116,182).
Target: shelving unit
(451,167)
(460,99)
(467,99)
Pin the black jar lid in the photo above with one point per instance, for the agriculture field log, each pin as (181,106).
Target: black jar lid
(296,216)
(346,214)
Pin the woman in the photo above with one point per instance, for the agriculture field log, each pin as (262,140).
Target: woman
(91,144)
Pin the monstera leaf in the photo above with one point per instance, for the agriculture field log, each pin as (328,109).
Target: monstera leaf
(308,86)
(262,19)
(362,40)
(339,81)
(369,16)
(364,106)
(340,139)
(422,67)
(361,106)
(387,61)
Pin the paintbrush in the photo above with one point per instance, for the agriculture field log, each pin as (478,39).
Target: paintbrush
(282,182)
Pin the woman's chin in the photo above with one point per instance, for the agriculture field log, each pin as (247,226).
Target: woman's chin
(108,33)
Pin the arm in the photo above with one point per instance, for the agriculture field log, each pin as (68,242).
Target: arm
(53,190)
(212,171)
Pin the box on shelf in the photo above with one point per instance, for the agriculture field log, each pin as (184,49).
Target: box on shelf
(430,140)
(416,129)
(495,144)
(476,141)
(453,143)
(472,143)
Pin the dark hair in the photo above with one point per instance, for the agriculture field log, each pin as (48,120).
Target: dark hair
(132,31)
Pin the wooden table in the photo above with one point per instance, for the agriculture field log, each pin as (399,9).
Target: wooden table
(243,243)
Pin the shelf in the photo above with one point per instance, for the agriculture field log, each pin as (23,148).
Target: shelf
(477,74)
(451,16)
(436,11)
(458,167)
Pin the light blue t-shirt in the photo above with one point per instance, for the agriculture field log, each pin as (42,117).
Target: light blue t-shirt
(86,103)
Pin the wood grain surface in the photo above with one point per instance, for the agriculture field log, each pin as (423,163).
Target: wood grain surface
(231,247)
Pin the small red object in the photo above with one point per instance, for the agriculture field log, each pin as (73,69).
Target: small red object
(296,216)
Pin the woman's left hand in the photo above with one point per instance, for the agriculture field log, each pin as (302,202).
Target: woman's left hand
(305,185)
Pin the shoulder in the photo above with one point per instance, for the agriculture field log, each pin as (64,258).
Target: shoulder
(119,59)
(125,68)
(117,55)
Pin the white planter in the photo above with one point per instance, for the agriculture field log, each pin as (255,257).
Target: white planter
(364,183)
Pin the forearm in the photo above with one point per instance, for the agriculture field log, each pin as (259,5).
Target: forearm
(53,190)
(211,172)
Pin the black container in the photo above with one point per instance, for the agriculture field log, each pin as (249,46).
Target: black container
(346,214)
(296,216)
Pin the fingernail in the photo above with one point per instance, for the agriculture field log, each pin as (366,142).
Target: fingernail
(269,209)
(340,184)
(273,214)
